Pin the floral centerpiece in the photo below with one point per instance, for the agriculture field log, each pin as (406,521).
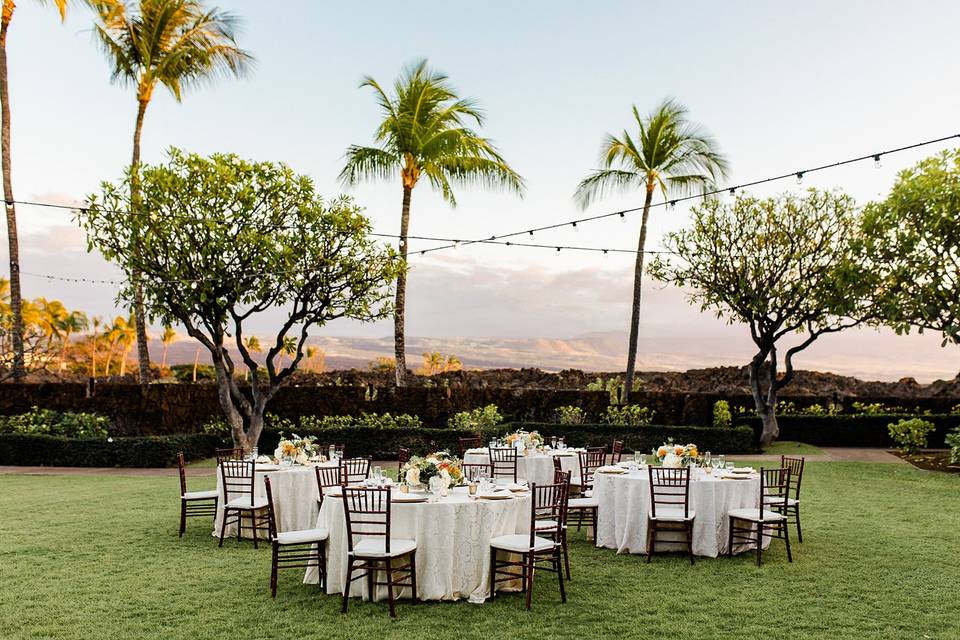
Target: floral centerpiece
(676,455)
(419,470)
(295,449)
(530,439)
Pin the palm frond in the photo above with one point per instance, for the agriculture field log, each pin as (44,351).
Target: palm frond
(603,182)
(368,163)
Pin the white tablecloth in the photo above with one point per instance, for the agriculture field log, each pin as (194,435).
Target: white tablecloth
(534,467)
(453,543)
(625,504)
(294,498)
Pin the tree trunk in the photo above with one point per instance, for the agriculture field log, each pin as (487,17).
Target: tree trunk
(143,352)
(233,416)
(163,362)
(765,403)
(196,361)
(16,306)
(399,346)
(637,292)
(63,350)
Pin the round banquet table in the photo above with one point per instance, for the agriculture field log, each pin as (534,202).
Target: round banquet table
(534,467)
(625,504)
(453,542)
(294,497)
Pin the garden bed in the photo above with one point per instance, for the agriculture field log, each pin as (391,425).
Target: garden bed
(930,460)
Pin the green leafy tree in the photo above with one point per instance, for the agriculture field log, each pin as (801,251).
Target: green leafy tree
(424,134)
(913,239)
(175,43)
(13,243)
(258,239)
(785,267)
(669,154)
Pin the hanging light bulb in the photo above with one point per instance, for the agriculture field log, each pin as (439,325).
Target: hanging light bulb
(673,204)
(531,234)
(574,225)
(799,177)
(558,251)
(876,161)
(456,245)
(623,217)
(733,192)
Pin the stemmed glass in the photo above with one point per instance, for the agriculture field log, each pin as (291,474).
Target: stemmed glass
(378,476)
(707,459)
(721,461)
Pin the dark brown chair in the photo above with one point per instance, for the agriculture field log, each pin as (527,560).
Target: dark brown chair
(403,457)
(751,526)
(193,503)
(617,452)
(354,470)
(294,549)
(540,548)
(327,477)
(473,442)
(240,500)
(473,472)
(793,501)
(583,509)
(563,477)
(234,453)
(504,462)
(669,506)
(371,548)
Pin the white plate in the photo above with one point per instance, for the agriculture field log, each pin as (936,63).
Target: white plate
(268,467)
(500,495)
(407,497)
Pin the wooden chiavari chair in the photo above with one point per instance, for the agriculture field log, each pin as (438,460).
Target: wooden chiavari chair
(793,501)
(193,503)
(535,548)
(583,509)
(751,526)
(327,477)
(669,506)
(563,477)
(240,501)
(371,548)
(233,453)
(617,452)
(473,442)
(473,472)
(403,457)
(504,462)
(354,470)
(294,549)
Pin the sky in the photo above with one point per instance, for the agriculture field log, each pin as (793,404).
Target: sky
(780,86)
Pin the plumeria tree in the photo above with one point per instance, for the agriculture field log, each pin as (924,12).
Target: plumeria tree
(784,267)
(230,239)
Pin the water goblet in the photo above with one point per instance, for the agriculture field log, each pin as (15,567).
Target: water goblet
(378,475)
(707,459)
(721,461)
(643,460)
(730,466)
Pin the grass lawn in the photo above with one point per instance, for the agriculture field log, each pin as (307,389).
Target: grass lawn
(788,448)
(98,557)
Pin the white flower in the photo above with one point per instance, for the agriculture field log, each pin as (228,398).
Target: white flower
(302,458)
(278,453)
(413,475)
(445,477)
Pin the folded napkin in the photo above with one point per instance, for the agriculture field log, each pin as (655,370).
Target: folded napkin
(478,450)
(610,469)
(264,460)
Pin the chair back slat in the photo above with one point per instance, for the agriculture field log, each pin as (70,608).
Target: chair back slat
(669,490)
(327,477)
(237,478)
(590,460)
(471,442)
(271,514)
(796,473)
(233,453)
(617,452)
(403,457)
(474,471)
(774,488)
(367,513)
(354,470)
(504,462)
(182,467)
(548,503)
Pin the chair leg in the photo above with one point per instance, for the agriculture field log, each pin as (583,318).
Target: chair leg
(566,552)
(786,537)
(796,510)
(322,566)
(689,532)
(253,525)
(371,580)
(557,564)
(274,565)
(759,542)
(493,573)
(183,516)
(730,537)
(393,612)
(223,526)
(413,577)
(529,580)
(346,586)
(651,540)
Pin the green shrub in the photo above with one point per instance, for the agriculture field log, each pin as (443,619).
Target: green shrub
(722,418)
(56,423)
(953,441)
(732,440)
(848,430)
(376,421)
(876,408)
(570,414)
(911,435)
(184,372)
(478,420)
(632,415)
(614,386)
(152,451)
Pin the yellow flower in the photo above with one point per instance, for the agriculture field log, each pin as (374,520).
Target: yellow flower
(662,451)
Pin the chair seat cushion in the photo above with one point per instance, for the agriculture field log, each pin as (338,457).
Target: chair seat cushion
(376,548)
(673,514)
(792,502)
(753,515)
(259,502)
(547,525)
(200,495)
(583,503)
(520,543)
(303,536)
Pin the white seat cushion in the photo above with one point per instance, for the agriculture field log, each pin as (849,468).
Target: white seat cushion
(200,495)
(792,502)
(753,515)
(672,514)
(520,543)
(244,503)
(376,548)
(547,525)
(303,536)
(583,503)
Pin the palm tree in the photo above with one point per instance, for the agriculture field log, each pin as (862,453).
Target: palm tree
(73,322)
(423,134)
(13,242)
(94,340)
(168,337)
(453,364)
(288,347)
(176,43)
(671,154)
(313,354)
(253,346)
(127,339)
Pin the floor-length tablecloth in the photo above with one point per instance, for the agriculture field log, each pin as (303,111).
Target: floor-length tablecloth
(625,504)
(535,467)
(453,543)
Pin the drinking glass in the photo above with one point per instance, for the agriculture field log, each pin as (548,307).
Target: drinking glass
(730,466)
(553,442)
(378,475)
(707,459)
(721,461)
(638,457)
(561,443)
(333,453)
(643,460)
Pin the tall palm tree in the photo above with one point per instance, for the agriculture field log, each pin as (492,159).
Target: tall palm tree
(424,134)
(94,342)
(176,43)
(288,347)
(168,337)
(127,339)
(670,154)
(73,322)
(252,343)
(13,242)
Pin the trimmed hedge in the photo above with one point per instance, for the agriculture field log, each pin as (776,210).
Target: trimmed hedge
(850,430)
(380,444)
(645,438)
(58,451)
